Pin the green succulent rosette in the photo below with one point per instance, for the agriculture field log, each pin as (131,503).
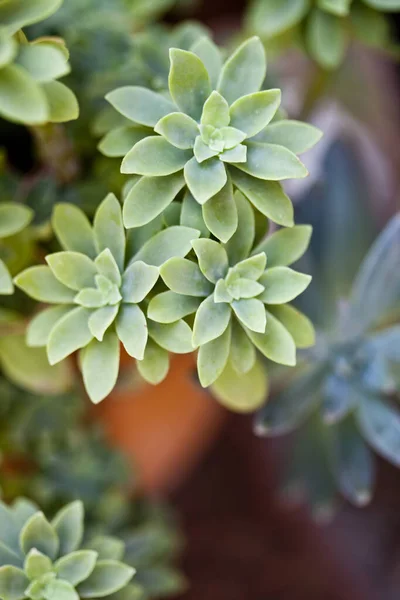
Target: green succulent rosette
(98,284)
(211,135)
(323,28)
(238,293)
(13,219)
(44,560)
(29,90)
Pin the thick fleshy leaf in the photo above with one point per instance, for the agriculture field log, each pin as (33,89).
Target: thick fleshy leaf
(101,319)
(267,196)
(274,17)
(251,313)
(206,179)
(108,577)
(211,321)
(62,103)
(107,547)
(215,111)
(242,288)
(73,269)
(178,129)
(131,328)
(13,583)
(100,366)
(69,334)
(340,8)
(290,407)
(339,396)
(285,246)
(109,229)
(155,156)
(272,162)
(234,155)
(298,325)
(212,257)
(244,71)
(107,266)
(189,82)
(293,135)
(192,215)
(202,151)
(380,425)
(174,337)
(184,277)
(239,245)
(119,141)
(76,566)
(175,241)
(41,325)
(242,392)
(13,218)
(16,87)
(149,197)
(6,282)
(282,285)
(140,105)
(68,523)
(210,56)
(41,285)
(169,307)
(39,534)
(253,112)
(276,343)
(155,364)
(220,213)
(43,62)
(137,281)
(8,48)
(326,37)
(37,564)
(20,14)
(212,358)
(60,590)
(242,352)
(253,267)
(73,230)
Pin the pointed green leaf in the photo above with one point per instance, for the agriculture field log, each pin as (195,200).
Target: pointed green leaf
(235,155)
(108,577)
(327,39)
(175,241)
(62,103)
(107,547)
(76,566)
(206,179)
(101,319)
(250,312)
(69,334)
(184,277)
(149,197)
(221,293)
(202,151)
(210,56)
(275,17)
(6,282)
(154,156)
(73,230)
(106,265)
(174,337)
(155,364)
(13,583)
(13,218)
(215,111)
(119,141)
(242,392)
(276,343)
(285,246)
(100,366)
(37,564)
(252,113)
(282,285)
(39,534)
(232,137)
(43,62)
(137,281)
(293,135)
(68,523)
(220,213)
(272,162)
(212,358)
(242,352)
(41,285)
(131,328)
(140,105)
(242,288)
(298,325)
(380,425)
(244,71)
(239,245)
(41,325)
(60,590)
(8,48)
(109,230)
(253,267)
(17,14)
(178,129)
(212,257)
(192,215)
(169,307)
(73,269)
(211,321)
(16,86)
(189,82)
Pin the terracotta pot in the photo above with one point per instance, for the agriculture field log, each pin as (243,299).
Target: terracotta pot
(164,430)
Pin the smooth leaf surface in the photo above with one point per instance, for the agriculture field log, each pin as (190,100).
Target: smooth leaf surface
(189,82)
(131,328)
(242,393)
(176,241)
(100,366)
(276,343)
(285,246)
(212,358)
(210,322)
(154,156)
(206,179)
(140,105)
(41,285)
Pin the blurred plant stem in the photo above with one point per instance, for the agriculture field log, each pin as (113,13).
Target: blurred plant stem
(56,151)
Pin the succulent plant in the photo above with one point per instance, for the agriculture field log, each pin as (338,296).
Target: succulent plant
(210,136)
(29,90)
(324,28)
(44,560)
(13,219)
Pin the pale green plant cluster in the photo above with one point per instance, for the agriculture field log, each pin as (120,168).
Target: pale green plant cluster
(29,90)
(45,560)
(13,219)
(323,28)
(185,265)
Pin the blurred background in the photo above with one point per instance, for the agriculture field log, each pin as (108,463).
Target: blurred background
(230,514)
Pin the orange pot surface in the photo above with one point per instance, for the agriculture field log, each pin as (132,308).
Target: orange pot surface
(163,429)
